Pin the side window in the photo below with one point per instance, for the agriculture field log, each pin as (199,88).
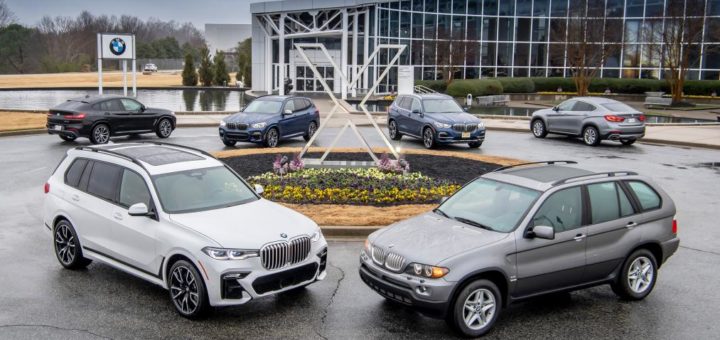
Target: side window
(289,105)
(133,189)
(566,106)
(131,105)
(582,106)
(604,201)
(647,197)
(626,208)
(416,105)
(562,210)
(299,104)
(74,172)
(104,180)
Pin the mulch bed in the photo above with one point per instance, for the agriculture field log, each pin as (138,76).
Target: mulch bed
(454,169)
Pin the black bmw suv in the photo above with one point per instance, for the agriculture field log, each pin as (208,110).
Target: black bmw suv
(101,116)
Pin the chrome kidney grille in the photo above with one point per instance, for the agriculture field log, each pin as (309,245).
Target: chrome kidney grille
(465,127)
(391,261)
(283,253)
(238,126)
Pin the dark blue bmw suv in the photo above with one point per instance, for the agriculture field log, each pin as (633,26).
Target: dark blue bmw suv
(434,118)
(270,119)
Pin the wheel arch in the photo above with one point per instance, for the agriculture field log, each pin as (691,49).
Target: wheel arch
(175,256)
(494,275)
(101,121)
(653,247)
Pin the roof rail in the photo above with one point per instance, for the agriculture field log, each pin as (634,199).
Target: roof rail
(599,174)
(533,163)
(177,146)
(112,153)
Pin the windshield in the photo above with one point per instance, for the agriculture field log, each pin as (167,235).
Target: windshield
(441,106)
(263,106)
(618,107)
(489,204)
(201,189)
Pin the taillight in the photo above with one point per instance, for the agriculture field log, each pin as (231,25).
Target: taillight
(47,187)
(78,116)
(641,118)
(674,226)
(614,118)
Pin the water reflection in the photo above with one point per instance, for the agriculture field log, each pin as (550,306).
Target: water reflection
(190,96)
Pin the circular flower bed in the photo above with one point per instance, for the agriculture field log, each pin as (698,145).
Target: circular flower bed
(353,186)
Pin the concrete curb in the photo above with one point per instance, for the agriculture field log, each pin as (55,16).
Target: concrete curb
(22,132)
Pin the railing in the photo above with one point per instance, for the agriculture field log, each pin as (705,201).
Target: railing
(422,89)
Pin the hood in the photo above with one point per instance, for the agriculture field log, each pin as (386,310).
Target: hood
(454,118)
(250,117)
(431,238)
(248,226)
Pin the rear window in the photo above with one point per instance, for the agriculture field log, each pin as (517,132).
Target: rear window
(70,105)
(648,198)
(74,172)
(618,107)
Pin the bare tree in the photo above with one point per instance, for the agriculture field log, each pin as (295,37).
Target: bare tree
(7,17)
(589,38)
(451,48)
(677,40)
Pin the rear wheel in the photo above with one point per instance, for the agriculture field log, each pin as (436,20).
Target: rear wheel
(164,128)
(67,138)
(474,145)
(272,137)
(393,131)
(312,128)
(428,138)
(100,134)
(476,308)
(228,142)
(538,129)
(591,136)
(628,141)
(638,276)
(187,290)
(67,247)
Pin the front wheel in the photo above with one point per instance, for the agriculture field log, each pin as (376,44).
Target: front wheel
(393,131)
(538,129)
(591,136)
(428,138)
(312,128)
(187,290)
(628,141)
(476,308)
(474,145)
(164,128)
(67,247)
(100,134)
(272,137)
(638,276)
(228,142)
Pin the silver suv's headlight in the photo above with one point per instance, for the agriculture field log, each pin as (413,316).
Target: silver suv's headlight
(258,125)
(223,123)
(442,125)
(423,270)
(230,254)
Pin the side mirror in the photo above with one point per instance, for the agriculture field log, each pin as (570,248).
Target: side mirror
(416,111)
(443,199)
(242,108)
(143,108)
(139,209)
(556,108)
(259,189)
(542,231)
(287,112)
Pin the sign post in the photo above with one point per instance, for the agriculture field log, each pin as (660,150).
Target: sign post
(117,46)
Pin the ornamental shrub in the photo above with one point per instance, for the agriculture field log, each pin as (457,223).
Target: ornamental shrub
(476,87)
(552,84)
(702,87)
(189,75)
(517,85)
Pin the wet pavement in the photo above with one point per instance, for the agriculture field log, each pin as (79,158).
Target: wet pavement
(40,300)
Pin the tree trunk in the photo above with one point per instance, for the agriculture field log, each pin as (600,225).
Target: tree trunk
(581,85)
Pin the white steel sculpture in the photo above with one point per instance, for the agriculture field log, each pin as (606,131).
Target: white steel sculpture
(351,86)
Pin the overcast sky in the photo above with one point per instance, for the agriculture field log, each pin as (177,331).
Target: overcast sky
(199,12)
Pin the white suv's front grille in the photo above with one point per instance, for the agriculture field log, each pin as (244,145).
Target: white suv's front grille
(282,253)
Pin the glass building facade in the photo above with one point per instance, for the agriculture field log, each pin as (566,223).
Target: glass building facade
(505,38)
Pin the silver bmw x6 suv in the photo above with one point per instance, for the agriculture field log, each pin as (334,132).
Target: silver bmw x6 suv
(523,231)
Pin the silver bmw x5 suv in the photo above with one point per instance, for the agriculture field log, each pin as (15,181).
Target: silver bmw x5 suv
(523,231)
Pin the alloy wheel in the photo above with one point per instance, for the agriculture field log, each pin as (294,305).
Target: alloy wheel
(311,129)
(538,128)
(65,244)
(479,309)
(165,128)
(101,134)
(428,138)
(184,290)
(272,138)
(640,275)
(590,136)
(392,129)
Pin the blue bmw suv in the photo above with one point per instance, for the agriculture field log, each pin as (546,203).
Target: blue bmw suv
(434,118)
(270,119)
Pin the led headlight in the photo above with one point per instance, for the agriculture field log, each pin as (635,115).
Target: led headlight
(481,125)
(424,270)
(229,254)
(223,123)
(316,236)
(442,125)
(258,125)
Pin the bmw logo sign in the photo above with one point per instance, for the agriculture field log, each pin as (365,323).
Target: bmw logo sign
(117,46)
(283,235)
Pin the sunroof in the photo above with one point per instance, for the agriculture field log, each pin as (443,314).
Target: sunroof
(158,155)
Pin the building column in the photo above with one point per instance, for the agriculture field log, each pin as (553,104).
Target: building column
(268,64)
(366,47)
(356,19)
(281,55)
(344,53)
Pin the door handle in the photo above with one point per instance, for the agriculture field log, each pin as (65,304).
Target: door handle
(579,237)
(631,225)
(117,216)
(75,198)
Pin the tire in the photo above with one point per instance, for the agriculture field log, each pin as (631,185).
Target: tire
(628,141)
(228,142)
(68,138)
(67,246)
(272,138)
(591,136)
(480,303)
(474,145)
(164,128)
(637,277)
(100,134)
(538,128)
(184,283)
(428,138)
(393,131)
(312,128)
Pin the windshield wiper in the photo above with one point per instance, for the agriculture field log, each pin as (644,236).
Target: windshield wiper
(440,212)
(473,223)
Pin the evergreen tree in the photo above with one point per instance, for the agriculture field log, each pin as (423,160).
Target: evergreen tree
(244,53)
(220,73)
(205,72)
(189,75)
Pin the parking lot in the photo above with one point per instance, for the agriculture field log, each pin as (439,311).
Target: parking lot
(41,300)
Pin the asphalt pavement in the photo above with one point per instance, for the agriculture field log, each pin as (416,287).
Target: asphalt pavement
(40,300)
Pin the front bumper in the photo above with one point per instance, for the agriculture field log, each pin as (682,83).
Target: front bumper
(229,284)
(428,296)
(450,136)
(247,135)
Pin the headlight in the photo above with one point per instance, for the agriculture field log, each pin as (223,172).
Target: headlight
(481,125)
(424,270)
(223,123)
(442,125)
(258,125)
(229,254)
(316,236)
(367,246)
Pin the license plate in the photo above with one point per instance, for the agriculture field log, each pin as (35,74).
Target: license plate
(631,120)
(466,135)
(58,127)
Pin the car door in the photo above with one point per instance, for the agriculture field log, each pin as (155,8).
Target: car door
(544,265)
(554,117)
(96,203)
(116,115)
(289,121)
(134,237)
(416,111)
(302,109)
(84,220)
(138,119)
(572,121)
(612,218)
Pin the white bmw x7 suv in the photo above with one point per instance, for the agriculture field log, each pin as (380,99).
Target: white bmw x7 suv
(181,219)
